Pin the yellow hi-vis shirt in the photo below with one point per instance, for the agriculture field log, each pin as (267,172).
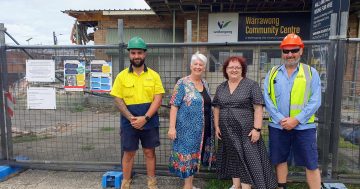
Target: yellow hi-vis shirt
(137,89)
(138,92)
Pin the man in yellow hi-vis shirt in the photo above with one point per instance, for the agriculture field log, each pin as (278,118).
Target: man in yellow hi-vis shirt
(138,92)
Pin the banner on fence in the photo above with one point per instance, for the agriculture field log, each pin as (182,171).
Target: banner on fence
(41,98)
(100,76)
(40,70)
(74,75)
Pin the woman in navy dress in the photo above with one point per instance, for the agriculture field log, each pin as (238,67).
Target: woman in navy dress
(238,111)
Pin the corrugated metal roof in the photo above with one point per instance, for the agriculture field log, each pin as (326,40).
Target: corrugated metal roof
(128,12)
(166,7)
(150,35)
(103,10)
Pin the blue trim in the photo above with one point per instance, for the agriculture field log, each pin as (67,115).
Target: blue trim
(140,110)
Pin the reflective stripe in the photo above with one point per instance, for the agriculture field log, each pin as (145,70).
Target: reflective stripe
(299,100)
(306,69)
(275,68)
(10,101)
(296,107)
(271,89)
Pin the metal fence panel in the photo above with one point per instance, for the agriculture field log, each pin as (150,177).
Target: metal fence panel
(84,128)
(349,143)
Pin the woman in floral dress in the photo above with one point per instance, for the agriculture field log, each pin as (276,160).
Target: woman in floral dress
(190,123)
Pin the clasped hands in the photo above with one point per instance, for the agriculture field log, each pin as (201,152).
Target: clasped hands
(138,122)
(289,123)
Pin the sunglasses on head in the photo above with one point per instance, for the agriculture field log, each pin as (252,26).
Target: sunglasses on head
(285,51)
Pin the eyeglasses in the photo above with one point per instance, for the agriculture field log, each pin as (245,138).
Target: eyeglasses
(291,50)
(234,68)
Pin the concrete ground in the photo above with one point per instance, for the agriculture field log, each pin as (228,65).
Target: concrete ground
(45,179)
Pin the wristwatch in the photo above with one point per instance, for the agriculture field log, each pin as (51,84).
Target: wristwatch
(257,129)
(147,118)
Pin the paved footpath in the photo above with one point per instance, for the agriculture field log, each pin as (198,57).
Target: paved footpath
(44,179)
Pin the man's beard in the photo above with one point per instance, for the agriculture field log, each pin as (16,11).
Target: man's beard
(137,65)
(287,63)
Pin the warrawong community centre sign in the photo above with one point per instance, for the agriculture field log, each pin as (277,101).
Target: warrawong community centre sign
(233,27)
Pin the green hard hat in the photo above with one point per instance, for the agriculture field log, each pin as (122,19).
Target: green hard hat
(136,43)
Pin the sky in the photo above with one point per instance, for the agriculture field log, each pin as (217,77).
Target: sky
(38,19)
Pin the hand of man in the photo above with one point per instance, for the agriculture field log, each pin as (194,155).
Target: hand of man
(138,122)
(289,123)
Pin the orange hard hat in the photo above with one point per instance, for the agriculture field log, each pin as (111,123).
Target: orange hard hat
(292,40)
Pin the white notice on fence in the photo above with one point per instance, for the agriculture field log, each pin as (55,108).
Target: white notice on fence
(40,70)
(41,98)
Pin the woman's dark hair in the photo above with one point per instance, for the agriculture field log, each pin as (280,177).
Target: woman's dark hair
(240,59)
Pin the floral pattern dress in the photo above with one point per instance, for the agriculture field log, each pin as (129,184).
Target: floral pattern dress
(186,153)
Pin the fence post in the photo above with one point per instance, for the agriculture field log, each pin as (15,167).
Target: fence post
(336,113)
(121,64)
(325,112)
(341,58)
(5,121)
(121,45)
(188,40)
(325,141)
(2,99)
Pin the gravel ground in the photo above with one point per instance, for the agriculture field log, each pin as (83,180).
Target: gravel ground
(44,179)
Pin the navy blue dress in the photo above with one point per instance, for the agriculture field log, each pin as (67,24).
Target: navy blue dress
(237,156)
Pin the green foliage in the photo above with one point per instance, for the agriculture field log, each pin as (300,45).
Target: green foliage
(30,138)
(218,184)
(225,184)
(107,129)
(353,186)
(295,169)
(87,147)
(346,144)
(78,108)
(297,185)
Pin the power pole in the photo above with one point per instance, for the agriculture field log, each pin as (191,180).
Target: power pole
(55,38)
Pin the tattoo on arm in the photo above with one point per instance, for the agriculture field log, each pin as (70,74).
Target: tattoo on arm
(122,108)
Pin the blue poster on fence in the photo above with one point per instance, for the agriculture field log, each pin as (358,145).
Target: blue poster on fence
(100,76)
(74,75)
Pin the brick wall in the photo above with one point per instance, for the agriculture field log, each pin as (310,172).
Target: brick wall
(203,27)
(16,60)
(353,27)
(140,21)
(154,21)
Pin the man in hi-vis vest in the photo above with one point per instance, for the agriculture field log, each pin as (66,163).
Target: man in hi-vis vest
(292,93)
